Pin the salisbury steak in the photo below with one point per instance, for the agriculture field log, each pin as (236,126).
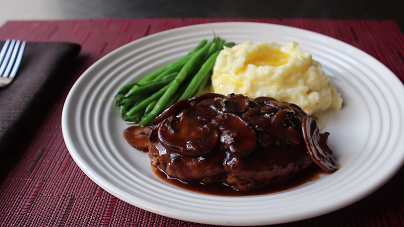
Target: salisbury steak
(240,142)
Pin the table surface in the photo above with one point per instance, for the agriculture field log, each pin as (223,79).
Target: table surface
(74,9)
(44,186)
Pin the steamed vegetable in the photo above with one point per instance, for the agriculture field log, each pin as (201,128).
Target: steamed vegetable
(142,100)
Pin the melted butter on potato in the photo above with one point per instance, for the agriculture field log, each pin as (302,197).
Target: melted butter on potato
(285,73)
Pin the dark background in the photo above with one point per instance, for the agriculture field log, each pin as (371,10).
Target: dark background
(69,9)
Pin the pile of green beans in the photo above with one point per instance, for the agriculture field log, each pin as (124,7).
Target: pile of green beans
(143,100)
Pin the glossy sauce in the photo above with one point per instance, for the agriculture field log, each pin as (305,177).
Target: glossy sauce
(311,173)
(180,146)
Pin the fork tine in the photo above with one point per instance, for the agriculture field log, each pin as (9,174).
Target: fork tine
(18,60)
(6,58)
(4,50)
(12,59)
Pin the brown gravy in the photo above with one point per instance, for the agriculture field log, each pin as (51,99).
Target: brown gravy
(311,173)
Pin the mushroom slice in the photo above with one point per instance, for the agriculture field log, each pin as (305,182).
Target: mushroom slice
(236,103)
(153,133)
(205,96)
(198,112)
(188,136)
(299,113)
(317,147)
(280,128)
(232,103)
(205,102)
(274,103)
(138,136)
(237,136)
(172,110)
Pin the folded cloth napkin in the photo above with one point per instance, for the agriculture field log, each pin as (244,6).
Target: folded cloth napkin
(42,63)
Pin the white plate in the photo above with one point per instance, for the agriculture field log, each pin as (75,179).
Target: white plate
(365,135)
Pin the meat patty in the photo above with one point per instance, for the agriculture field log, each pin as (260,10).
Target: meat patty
(204,168)
(240,142)
(264,166)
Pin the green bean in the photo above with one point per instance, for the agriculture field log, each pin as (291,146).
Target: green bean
(136,87)
(198,78)
(151,86)
(125,88)
(173,67)
(145,102)
(134,118)
(150,106)
(176,97)
(172,89)
(142,100)
(118,98)
(199,46)
(153,75)
(169,76)
(124,106)
(157,72)
(211,50)
(229,44)
(214,47)
(202,86)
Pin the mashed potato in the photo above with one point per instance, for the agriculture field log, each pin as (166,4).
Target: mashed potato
(282,72)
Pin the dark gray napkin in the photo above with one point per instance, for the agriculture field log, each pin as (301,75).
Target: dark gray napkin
(42,63)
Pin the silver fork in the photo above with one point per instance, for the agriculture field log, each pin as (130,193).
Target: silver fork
(10,59)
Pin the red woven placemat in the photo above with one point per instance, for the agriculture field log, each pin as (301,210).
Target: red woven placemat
(46,188)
